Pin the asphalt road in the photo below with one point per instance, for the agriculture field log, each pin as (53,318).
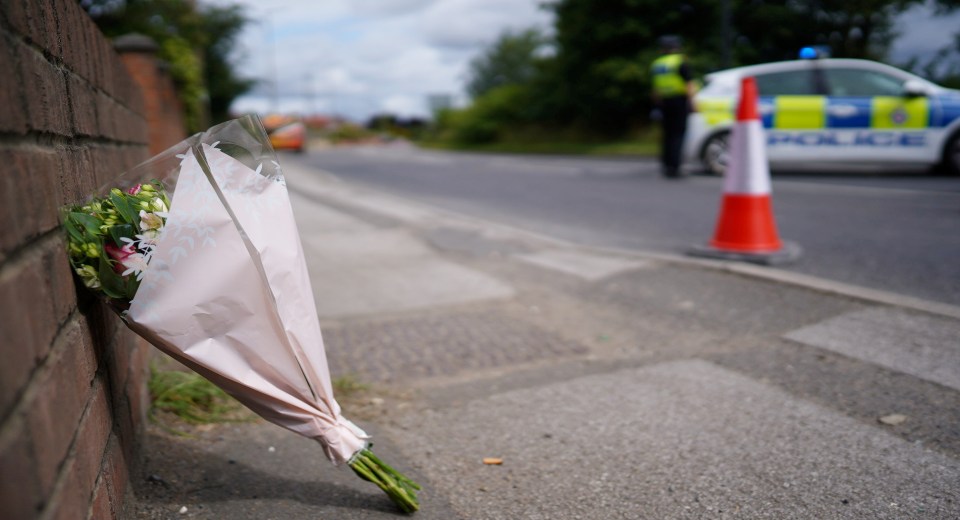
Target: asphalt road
(894,233)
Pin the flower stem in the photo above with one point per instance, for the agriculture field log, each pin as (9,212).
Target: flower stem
(397,486)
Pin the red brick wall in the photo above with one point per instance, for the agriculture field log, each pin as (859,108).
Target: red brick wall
(72,379)
(162,108)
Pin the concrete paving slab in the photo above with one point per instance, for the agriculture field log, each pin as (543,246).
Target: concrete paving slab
(260,471)
(921,345)
(683,439)
(313,219)
(588,266)
(384,270)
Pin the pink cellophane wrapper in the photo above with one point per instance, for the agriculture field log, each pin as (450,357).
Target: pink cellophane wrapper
(227,294)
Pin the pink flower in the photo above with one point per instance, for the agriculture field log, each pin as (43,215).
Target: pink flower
(134,190)
(122,256)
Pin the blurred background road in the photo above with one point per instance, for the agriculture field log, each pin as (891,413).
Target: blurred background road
(898,233)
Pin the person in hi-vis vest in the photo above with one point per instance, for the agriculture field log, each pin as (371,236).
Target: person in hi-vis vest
(673,91)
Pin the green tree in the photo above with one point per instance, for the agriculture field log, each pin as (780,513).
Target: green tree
(599,76)
(604,50)
(222,27)
(511,60)
(197,40)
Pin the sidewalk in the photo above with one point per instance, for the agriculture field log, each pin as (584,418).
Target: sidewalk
(612,385)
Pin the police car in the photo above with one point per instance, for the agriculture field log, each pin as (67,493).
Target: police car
(832,114)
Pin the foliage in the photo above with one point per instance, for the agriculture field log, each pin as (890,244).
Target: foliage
(222,26)
(187,70)
(511,60)
(110,240)
(490,114)
(942,68)
(192,399)
(598,80)
(389,125)
(198,41)
(349,132)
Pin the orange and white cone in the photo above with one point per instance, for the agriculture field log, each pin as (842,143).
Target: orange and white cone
(745,228)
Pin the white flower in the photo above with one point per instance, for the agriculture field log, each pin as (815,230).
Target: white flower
(159,205)
(150,221)
(135,263)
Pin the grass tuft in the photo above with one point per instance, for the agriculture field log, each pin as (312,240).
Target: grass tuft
(191,399)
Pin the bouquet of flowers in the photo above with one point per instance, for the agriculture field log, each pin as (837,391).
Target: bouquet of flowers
(198,251)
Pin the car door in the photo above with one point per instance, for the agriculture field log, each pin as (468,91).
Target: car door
(872,120)
(792,106)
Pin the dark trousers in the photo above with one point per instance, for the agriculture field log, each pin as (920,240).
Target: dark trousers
(675,111)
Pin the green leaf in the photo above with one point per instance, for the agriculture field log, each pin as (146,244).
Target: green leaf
(111,282)
(131,287)
(74,230)
(121,231)
(90,223)
(130,214)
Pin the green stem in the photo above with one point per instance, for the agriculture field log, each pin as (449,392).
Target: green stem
(397,486)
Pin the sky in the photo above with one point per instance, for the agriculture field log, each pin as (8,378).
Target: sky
(358,58)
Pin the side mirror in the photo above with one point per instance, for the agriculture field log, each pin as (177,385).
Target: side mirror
(914,88)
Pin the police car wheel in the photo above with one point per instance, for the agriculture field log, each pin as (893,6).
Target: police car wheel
(951,155)
(716,153)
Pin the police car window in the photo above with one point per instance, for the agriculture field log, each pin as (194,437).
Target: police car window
(786,83)
(862,83)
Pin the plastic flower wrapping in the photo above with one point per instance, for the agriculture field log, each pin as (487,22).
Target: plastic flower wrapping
(198,251)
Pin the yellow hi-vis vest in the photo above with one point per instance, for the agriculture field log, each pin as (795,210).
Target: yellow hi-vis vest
(667,81)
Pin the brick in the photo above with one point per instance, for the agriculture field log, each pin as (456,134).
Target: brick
(106,56)
(28,196)
(127,91)
(69,501)
(106,116)
(20,495)
(26,317)
(79,38)
(100,324)
(117,474)
(75,53)
(77,176)
(118,370)
(12,116)
(75,496)
(46,23)
(47,106)
(100,503)
(136,392)
(61,396)
(108,164)
(135,155)
(60,280)
(134,77)
(19,15)
(91,441)
(35,21)
(134,126)
(83,106)
(126,429)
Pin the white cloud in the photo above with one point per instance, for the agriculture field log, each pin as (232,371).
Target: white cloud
(473,23)
(360,57)
(400,104)
(922,33)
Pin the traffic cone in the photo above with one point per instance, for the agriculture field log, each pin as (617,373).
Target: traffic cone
(745,228)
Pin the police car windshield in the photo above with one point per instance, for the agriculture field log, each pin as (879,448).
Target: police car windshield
(786,83)
(862,83)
